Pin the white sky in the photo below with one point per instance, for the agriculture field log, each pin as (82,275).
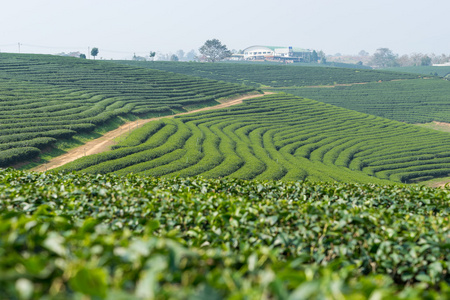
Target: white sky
(120,28)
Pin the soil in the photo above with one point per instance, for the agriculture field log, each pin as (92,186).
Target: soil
(106,141)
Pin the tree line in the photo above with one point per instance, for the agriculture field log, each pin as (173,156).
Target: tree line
(385,57)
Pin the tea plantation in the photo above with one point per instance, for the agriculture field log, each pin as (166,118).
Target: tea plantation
(405,97)
(44,98)
(109,237)
(412,101)
(440,71)
(278,137)
(274,75)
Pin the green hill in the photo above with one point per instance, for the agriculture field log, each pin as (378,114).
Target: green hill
(47,98)
(400,96)
(412,101)
(273,75)
(278,137)
(423,70)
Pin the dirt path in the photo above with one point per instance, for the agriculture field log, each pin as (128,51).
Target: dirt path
(106,141)
(439,184)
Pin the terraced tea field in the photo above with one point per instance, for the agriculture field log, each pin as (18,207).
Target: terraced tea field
(47,98)
(405,97)
(175,236)
(274,75)
(278,137)
(440,71)
(411,101)
(106,141)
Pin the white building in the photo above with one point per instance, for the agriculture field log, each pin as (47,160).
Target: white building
(447,64)
(276,53)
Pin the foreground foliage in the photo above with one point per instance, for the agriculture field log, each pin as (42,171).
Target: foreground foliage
(62,236)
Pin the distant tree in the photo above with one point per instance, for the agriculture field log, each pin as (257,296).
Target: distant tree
(384,57)
(94,52)
(213,50)
(152,55)
(191,55)
(363,53)
(321,55)
(359,63)
(404,61)
(83,55)
(174,58)
(314,56)
(138,58)
(426,61)
(180,54)
(416,59)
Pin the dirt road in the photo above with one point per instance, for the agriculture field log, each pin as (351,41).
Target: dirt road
(106,141)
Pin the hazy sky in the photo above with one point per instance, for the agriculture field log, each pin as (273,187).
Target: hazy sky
(120,28)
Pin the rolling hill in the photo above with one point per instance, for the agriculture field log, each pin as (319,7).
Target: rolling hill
(278,137)
(48,98)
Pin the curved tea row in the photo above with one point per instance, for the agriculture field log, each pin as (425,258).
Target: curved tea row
(45,98)
(412,101)
(274,75)
(278,137)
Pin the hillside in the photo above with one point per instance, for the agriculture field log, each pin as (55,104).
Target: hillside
(110,237)
(278,137)
(423,70)
(411,101)
(273,75)
(48,98)
(401,96)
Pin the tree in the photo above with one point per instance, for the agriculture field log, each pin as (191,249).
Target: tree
(213,50)
(363,53)
(174,58)
(94,52)
(314,56)
(384,57)
(83,55)
(426,61)
(404,61)
(191,55)
(152,55)
(180,53)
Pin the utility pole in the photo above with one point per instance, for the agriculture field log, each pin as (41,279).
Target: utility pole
(19,46)
(89,52)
